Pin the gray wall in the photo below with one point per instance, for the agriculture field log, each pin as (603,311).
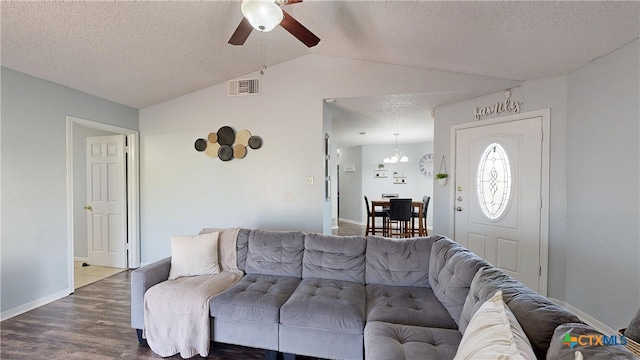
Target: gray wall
(594,237)
(80,134)
(603,156)
(34,259)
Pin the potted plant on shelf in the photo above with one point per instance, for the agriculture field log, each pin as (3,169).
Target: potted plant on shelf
(442,178)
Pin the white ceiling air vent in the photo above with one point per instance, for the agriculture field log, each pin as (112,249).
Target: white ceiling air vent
(244,87)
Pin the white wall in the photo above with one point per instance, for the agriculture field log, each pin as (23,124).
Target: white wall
(35,259)
(594,238)
(603,211)
(183,191)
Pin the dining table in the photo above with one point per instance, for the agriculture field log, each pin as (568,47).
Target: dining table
(385,203)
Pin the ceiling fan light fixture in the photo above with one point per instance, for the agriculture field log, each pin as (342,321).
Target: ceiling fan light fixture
(263,15)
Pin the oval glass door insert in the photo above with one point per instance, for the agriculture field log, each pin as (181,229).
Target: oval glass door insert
(493,181)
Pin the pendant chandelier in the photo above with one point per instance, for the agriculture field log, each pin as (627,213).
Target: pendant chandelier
(396,156)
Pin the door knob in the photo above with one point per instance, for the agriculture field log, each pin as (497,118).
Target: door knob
(88,207)
(458,208)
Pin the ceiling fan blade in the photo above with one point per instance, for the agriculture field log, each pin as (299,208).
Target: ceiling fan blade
(242,32)
(298,30)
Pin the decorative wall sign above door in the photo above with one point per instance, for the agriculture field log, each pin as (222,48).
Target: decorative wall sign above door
(507,105)
(226,144)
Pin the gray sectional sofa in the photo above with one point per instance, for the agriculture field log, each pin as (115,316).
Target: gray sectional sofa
(358,297)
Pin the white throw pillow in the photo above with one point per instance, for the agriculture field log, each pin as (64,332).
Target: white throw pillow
(193,255)
(494,333)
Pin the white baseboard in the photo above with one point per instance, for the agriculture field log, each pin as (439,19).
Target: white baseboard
(588,319)
(81,259)
(8,314)
(353,222)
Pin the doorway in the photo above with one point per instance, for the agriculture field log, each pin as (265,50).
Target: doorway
(501,194)
(79,243)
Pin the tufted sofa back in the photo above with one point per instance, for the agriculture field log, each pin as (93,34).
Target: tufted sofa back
(402,262)
(451,270)
(275,253)
(334,257)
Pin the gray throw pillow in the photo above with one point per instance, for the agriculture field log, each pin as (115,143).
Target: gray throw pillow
(633,330)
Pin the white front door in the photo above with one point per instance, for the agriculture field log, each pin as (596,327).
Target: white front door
(498,201)
(106,201)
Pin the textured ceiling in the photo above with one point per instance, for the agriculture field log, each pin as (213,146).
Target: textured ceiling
(143,53)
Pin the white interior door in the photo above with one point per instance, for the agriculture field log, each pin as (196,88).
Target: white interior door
(106,201)
(498,195)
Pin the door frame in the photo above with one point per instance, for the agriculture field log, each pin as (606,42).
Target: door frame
(133,192)
(544,181)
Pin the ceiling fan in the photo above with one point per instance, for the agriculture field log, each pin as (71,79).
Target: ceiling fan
(264,15)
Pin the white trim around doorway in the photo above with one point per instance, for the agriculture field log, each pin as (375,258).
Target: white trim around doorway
(544,191)
(133,192)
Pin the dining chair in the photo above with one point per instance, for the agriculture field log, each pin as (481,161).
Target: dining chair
(400,216)
(388,196)
(416,215)
(372,226)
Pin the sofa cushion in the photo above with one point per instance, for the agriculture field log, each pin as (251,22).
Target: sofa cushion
(400,262)
(275,253)
(407,305)
(562,347)
(384,341)
(451,270)
(537,315)
(494,333)
(336,305)
(334,257)
(243,246)
(256,297)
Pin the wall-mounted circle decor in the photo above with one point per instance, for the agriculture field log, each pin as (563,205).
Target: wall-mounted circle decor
(226,136)
(226,144)
(242,137)
(225,153)
(201,145)
(212,149)
(239,151)
(255,142)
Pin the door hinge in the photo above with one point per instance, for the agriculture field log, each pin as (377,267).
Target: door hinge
(126,149)
(539,270)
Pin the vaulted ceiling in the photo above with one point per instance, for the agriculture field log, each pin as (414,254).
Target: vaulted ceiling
(143,53)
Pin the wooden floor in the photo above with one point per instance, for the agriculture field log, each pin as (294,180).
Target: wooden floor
(93,323)
(347,228)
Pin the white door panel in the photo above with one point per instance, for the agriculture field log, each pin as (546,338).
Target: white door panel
(498,192)
(106,201)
